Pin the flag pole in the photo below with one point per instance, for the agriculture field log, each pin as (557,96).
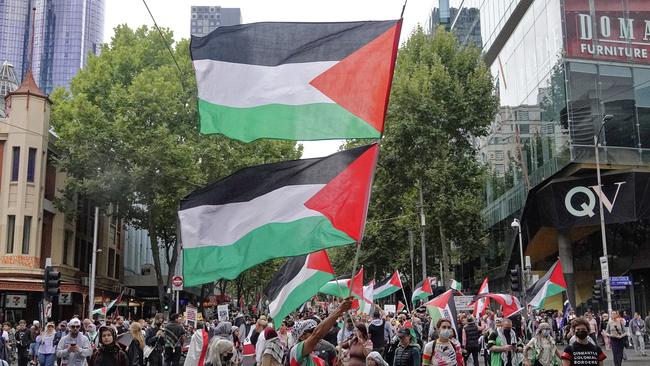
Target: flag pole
(406,301)
(354,267)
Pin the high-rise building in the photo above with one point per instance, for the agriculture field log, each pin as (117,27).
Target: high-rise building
(8,83)
(205,19)
(568,73)
(65,32)
(463,22)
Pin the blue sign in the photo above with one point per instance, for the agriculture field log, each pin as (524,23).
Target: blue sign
(620,279)
(614,288)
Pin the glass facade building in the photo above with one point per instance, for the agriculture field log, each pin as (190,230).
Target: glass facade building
(205,19)
(561,66)
(65,32)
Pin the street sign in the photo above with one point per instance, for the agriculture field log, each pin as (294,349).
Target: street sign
(614,288)
(15,301)
(177,283)
(620,279)
(65,298)
(604,267)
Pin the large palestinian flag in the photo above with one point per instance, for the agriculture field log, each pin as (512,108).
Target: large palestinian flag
(443,307)
(510,305)
(481,305)
(275,210)
(422,290)
(367,303)
(296,282)
(388,286)
(296,81)
(551,284)
(338,288)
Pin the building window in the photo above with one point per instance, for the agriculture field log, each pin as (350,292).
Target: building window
(11,226)
(15,165)
(499,155)
(31,164)
(26,231)
(522,116)
(117,266)
(111,263)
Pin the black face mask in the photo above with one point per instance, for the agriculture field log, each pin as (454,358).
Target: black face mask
(582,334)
(507,330)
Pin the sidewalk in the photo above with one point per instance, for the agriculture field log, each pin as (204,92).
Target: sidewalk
(632,358)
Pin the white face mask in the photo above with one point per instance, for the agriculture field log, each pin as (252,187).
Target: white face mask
(445,333)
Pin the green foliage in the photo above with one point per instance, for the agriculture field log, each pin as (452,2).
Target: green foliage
(128,135)
(442,97)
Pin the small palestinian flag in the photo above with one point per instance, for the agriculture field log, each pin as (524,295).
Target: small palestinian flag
(482,304)
(275,210)
(356,288)
(388,286)
(296,81)
(338,288)
(422,290)
(296,282)
(443,307)
(551,284)
(455,285)
(104,309)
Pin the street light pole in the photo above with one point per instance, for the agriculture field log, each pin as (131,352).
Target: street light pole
(422,238)
(516,224)
(603,237)
(93,267)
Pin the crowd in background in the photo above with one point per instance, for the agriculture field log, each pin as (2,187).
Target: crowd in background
(329,338)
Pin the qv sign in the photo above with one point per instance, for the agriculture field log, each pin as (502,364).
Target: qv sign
(587,199)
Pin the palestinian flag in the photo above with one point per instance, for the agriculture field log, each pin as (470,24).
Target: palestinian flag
(296,282)
(104,309)
(443,307)
(455,285)
(356,288)
(295,81)
(510,305)
(551,284)
(400,306)
(388,286)
(422,290)
(482,304)
(338,288)
(275,210)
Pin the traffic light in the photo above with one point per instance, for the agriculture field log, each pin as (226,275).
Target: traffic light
(165,302)
(515,279)
(597,293)
(52,282)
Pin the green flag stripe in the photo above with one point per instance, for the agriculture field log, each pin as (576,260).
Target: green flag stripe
(318,121)
(387,292)
(274,240)
(301,294)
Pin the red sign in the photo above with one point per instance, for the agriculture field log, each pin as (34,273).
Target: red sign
(177,281)
(608,32)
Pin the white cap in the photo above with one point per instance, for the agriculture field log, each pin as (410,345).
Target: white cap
(74,321)
(36,322)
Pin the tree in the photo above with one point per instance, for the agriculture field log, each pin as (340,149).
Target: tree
(128,136)
(442,97)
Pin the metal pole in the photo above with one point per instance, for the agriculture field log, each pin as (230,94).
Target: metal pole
(412,265)
(422,238)
(178,297)
(603,237)
(93,267)
(524,303)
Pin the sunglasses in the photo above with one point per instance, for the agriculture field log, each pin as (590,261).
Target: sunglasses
(75,326)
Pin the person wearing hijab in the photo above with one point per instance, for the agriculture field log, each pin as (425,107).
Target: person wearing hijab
(198,348)
(236,341)
(91,334)
(223,330)
(375,359)
(220,353)
(273,349)
(541,350)
(108,353)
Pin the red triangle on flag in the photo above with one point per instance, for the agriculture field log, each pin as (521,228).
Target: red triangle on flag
(400,306)
(344,200)
(426,286)
(557,277)
(361,82)
(356,285)
(319,261)
(395,280)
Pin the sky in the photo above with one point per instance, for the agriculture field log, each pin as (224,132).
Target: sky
(175,14)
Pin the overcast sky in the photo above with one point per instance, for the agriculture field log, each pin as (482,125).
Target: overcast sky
(175,14)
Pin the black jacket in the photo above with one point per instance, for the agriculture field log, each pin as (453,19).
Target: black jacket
(408,356)
(135,353)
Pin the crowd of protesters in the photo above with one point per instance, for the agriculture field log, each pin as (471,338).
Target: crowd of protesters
(329,338)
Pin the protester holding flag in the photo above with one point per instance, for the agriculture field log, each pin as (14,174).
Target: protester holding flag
(444,351)
(308,334)
(505,348)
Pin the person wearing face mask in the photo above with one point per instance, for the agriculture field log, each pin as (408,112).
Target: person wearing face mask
(582,352)
(541,350)
(504,346)
(444,351)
